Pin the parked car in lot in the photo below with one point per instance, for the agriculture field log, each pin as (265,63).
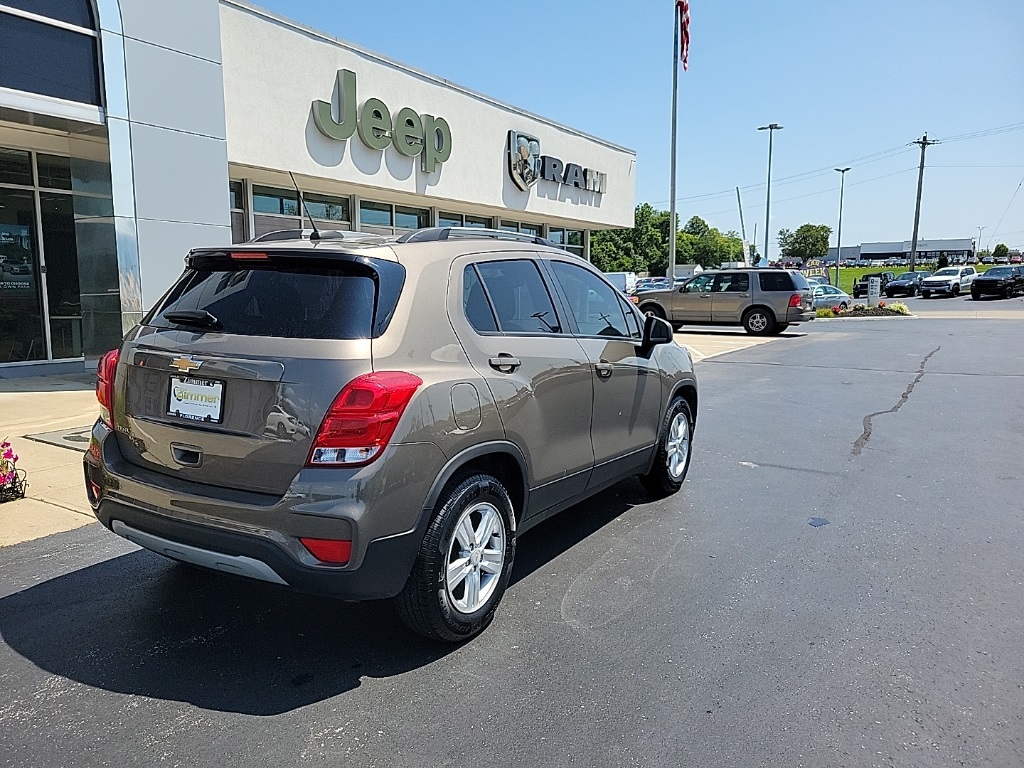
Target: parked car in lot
(1015,259)
(813,280)
(906,284)
(860,286)
(651,283)
(454,387)
(763,301)
(950,281)
(829,297)
(1006,282)
(624,281)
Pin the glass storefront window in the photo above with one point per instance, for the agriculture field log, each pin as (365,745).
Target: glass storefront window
(449,219)
(51,61)
(411,218)
(574,237)
(279,201)
(530,229)
(509,226)
(54,171)
(478,221)
(556,235)
(77,12)
(63,294)
(21,304)
(375,214)
(15,167)
(235,189)
(326,208)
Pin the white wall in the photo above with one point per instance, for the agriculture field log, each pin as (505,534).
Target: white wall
(274,70)
(168,142)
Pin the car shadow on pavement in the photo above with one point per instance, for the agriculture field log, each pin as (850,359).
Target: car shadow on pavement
(141,625)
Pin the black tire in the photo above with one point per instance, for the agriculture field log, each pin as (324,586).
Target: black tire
(660,481)
(975,296)
(758,321)
(955,292)
(426,604)
(926,294)
(282,431)
(889,294)
(913,291)
(1006,293)
(653,309)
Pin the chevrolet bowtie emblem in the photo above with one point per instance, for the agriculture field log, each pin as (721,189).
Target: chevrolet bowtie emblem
(186,364)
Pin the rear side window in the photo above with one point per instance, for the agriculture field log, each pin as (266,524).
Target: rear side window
(295,303)
(515,294)
(777,281)
(735,282)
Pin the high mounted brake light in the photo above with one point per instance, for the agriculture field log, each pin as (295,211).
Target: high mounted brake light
(362,419)
(248,256)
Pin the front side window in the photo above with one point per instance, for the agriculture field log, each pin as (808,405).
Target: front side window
(518,297)
(700,284)
(593,303)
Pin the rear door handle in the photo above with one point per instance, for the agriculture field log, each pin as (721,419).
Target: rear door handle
(504,362)
(604,369)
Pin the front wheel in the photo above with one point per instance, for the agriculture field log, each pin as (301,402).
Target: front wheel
(926,294)
(672,461)
(758,321)
(956,291)
(464,562)
(913,291)
(975,295)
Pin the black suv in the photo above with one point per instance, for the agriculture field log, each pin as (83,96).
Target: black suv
(860,288)
(907,284)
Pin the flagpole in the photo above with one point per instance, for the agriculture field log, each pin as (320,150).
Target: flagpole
(672,155)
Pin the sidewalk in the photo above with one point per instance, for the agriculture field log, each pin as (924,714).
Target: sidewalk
(56,497)
(56,494)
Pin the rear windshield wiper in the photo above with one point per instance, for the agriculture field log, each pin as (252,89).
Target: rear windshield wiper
(197,317)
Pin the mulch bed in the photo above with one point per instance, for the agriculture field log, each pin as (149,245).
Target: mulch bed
(873,312)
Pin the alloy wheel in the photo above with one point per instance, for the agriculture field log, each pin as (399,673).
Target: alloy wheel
(476,556)
(678,445)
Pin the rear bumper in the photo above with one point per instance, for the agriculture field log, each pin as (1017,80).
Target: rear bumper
(383,572)
(800,315)
(257,535)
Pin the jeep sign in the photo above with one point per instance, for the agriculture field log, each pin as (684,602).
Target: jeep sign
(411,133)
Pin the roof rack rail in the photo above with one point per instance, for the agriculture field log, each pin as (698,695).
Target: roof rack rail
(431,234)
(325,234)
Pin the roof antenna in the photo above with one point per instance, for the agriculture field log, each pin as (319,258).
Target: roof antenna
(316,232)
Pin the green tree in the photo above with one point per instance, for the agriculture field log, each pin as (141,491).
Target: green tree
(810,241)
(696,226)
(1001,251)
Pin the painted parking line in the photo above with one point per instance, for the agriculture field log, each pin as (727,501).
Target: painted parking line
(706,345)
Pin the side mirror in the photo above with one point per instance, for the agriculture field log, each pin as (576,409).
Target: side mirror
(656,331)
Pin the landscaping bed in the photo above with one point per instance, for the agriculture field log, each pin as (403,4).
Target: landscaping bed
(884,309)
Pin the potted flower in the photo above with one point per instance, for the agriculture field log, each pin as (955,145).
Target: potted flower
(12,479)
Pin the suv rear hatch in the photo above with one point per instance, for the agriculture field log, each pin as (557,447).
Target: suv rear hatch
(229,376)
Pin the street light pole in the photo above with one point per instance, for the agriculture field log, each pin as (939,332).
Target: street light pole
(977,248)
(771,128)
(839,235)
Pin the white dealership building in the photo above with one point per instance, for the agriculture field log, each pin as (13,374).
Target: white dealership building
(132,131)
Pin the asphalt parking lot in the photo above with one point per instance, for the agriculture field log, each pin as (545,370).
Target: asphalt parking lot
(718,627)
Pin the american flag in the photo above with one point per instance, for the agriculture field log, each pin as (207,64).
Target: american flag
(684,30)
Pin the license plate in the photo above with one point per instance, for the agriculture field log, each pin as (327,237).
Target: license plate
(196,399)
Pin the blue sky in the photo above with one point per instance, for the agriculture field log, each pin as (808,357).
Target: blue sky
(847,80)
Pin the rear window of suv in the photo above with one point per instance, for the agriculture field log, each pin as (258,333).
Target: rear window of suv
(782,281)
(301,302)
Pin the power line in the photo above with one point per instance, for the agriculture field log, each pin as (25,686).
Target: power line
(1012,198)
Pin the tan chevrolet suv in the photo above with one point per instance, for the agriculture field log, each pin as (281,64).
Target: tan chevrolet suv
(763,301)
(369,418)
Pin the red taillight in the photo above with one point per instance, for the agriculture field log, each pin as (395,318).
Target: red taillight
(333,551)
(105,385)
(362,419)
(248,255)
(794,300)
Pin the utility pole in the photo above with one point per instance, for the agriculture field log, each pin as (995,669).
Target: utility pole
(923,143)
(771,128)
(839,235)
(977,248)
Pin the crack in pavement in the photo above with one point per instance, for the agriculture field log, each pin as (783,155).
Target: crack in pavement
(861,441)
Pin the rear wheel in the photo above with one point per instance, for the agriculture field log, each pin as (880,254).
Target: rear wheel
(758,321)
(673,458)
(464,563)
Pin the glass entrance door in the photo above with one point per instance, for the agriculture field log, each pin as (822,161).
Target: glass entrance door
(22,337)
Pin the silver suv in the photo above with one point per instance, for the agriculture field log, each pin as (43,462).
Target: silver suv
(763,301)
(370,418)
